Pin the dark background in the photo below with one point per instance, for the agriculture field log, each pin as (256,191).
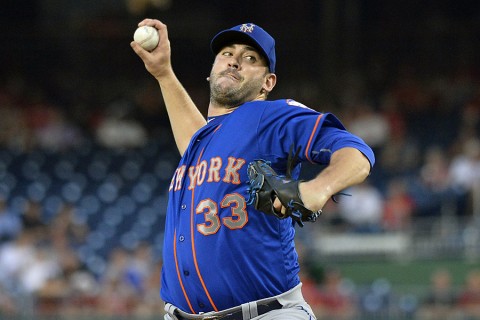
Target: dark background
(79,50)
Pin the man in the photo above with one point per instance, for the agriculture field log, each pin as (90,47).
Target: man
(223,259)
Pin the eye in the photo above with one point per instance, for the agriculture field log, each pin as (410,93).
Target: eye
(251,58)
(227,53)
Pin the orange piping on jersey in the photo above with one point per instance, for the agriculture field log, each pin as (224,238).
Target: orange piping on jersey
(192,219)
(218,127)
(178,271)
(311,138)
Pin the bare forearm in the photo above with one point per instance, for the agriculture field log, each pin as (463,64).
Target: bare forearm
(347,167)
(185,118)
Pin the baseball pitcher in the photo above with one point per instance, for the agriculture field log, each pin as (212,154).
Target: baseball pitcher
(235,198)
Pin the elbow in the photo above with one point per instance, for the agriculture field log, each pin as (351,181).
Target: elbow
(365,159)
(364,169)
(365,172)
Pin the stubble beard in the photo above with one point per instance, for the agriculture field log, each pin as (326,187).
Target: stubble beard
(233,96)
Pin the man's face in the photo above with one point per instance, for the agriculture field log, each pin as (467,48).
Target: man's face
(238,75)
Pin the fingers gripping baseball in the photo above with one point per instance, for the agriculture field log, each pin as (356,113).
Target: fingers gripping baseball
(158,61)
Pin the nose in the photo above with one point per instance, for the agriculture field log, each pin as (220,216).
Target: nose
(233,63)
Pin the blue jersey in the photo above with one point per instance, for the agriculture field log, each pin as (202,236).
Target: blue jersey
(219,252)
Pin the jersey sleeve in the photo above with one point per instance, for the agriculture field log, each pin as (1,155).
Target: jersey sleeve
(332,139)
(318,135)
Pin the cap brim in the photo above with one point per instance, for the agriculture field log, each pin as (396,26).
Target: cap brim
(229,37)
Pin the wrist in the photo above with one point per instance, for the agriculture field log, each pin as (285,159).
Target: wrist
(313,198)
(164,77)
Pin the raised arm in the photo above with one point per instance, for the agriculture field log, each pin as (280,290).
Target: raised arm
(185,118)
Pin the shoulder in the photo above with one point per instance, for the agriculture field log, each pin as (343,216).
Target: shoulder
(290,104)
(288,111)
(294,103)
(280,106)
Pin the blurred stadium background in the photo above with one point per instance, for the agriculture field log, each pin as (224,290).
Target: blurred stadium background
(86,152)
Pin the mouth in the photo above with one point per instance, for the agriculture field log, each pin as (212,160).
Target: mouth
(231,74)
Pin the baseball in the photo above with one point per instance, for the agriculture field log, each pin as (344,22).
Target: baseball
(147,37)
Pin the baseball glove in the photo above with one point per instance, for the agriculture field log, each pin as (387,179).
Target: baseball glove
(266,185)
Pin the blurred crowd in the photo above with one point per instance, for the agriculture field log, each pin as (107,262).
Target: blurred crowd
(41,273)
(412,92)
(336,297)
(43,277)
(425,133)
(426,136)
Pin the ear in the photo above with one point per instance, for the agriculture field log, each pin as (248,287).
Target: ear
(270,81)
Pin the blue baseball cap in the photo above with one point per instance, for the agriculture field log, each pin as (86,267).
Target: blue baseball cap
(247,33)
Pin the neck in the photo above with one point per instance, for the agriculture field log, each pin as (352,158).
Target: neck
(218,110)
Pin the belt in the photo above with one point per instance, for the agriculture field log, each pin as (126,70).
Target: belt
(261,308)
